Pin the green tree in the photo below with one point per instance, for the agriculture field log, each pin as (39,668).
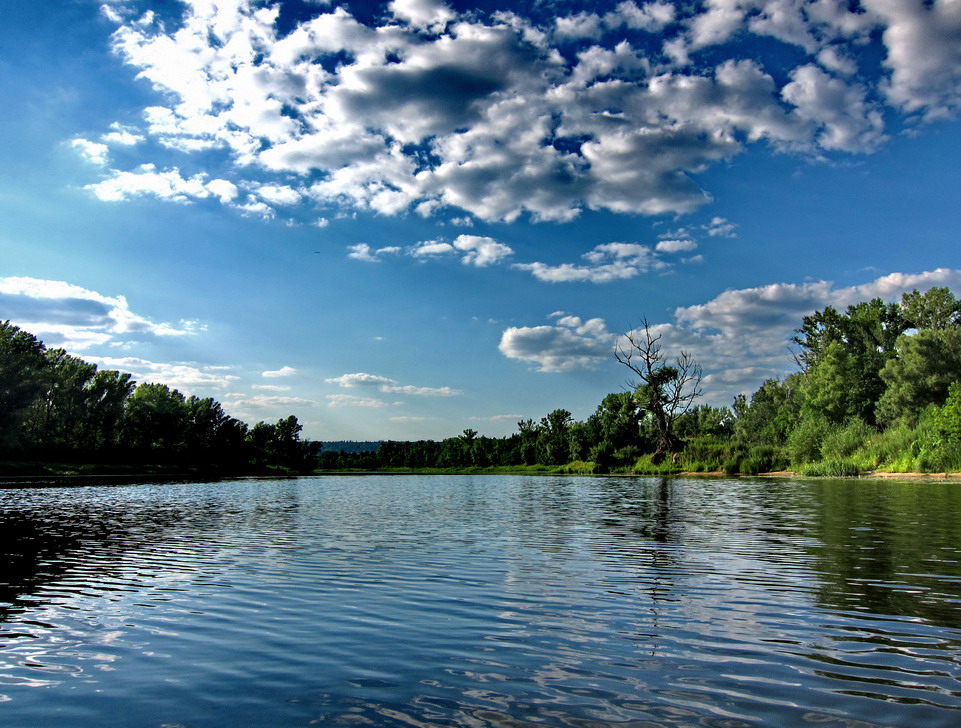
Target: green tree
(553,438)
(842,357)
(22,367)
(107,395)
(949,416)
(617,420)
(527,442)
(926,365)
(867,327)
(279,444)
(706,420)
(211,435)
(771,414)
(936,309)
(57,420)
(155,422)
(580,438)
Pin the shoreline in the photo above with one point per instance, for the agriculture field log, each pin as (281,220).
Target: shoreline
(14,478)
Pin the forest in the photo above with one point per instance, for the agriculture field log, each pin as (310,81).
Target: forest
(61,414)
(877,388)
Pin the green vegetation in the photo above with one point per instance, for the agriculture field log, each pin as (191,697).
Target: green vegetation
(878,387)
(60,414)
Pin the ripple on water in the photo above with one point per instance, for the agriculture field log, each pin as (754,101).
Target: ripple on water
(482,601)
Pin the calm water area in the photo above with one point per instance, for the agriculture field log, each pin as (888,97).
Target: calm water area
(505,601)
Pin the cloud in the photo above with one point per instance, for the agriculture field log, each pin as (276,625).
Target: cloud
(481,251)
(429,248)
(350,400)
(123,135)
(93,152)
(390,386)
(741,337)
(362,251)
(581,25)
(188,377)
(605,263)
(500,115)
(651,16)
(282,372)
(845,120)
(263,406)
(147,181)
(427,14)
(676,246)
(571,344)
(360,379)
(279,194)
(223,189)
(65,315)
(421,391)
(923,43)
(474,250)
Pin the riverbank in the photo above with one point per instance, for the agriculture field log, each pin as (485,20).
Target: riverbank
(36,471)
(40,470)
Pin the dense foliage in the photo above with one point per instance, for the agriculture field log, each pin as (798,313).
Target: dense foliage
(878,388)
(57,407)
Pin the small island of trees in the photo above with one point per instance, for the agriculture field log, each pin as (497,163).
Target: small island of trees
(877,387)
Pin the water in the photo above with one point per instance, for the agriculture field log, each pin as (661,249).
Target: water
(481,601)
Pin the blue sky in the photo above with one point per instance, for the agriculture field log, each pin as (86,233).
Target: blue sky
(403,219)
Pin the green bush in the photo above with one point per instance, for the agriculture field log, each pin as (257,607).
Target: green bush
(948,420)
(644,466)
(830,469)
(732,465)
(841,442)
(804,442)
(580,467)
(889,450)
(602,453)
(628,454)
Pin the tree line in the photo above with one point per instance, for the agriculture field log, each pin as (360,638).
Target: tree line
(55,407)
(877,386)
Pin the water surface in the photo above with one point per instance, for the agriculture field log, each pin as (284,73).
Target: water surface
(481,601)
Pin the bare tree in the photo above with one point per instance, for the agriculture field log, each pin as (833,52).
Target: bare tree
(665,391)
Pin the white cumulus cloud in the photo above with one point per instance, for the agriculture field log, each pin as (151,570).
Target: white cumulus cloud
(605,263)
(425,107)
(571,344)
(70,316)
(282,372)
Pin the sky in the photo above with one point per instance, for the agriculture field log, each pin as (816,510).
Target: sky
(399,220)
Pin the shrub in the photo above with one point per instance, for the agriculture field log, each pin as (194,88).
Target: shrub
(948,419)
(644,466)
(627,454)
(804,442)
(890,450)
(830,469)
(841,442)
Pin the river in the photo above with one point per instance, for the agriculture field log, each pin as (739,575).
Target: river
(505,601)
